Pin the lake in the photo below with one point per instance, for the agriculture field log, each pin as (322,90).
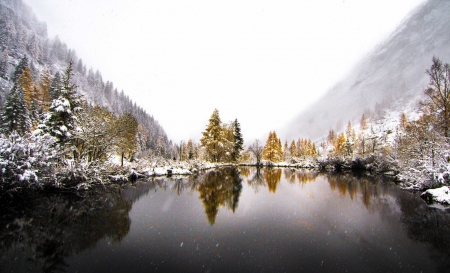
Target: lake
(229,220)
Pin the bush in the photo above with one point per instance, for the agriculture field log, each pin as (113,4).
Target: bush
(27,161)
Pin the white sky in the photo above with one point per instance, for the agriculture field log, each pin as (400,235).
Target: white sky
(261,62)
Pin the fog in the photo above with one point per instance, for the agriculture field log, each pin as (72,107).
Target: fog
(262,62)
(391,78)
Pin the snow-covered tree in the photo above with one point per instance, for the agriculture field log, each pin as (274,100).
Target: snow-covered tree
(340,144)
(126,127)
(4,64)
(363,122)
(44,85)
(20,68)
(60,121)
(15,116)
(213,138)
(55,87)
(257,149)
(423,154)
(94,139)
(293,149)
(439,93)
(27,162)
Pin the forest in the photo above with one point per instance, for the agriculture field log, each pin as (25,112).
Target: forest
(62,126)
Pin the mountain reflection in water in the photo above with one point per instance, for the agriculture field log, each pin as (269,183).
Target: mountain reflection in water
(229,219)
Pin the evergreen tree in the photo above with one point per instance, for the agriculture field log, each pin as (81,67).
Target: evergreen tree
(363,122)
(44,84)
(4,64)
(15,116)
(60,121)
(20,68)
(238,141)
(55,87)
(213,138)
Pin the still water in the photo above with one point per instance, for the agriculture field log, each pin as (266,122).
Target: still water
(229,220)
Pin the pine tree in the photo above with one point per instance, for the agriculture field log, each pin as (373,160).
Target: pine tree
(238,141)
(213,137)
(44,84)
(4,64)
(20,68)
(60,121)
(363,122)
(15,116)
(55,87)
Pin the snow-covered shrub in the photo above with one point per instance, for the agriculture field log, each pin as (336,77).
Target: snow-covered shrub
(27,161)
(78,174)
(423,155)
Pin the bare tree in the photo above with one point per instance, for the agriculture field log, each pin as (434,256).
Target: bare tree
(257,149)
(439,92)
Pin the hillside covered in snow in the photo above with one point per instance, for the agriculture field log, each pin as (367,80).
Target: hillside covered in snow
(391,78)
(23,35)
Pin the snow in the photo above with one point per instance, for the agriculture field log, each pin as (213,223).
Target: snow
(440,195)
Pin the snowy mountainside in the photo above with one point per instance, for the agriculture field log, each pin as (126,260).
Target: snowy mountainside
(22,34)
(392,76)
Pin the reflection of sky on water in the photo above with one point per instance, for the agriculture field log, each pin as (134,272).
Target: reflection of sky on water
(320,225)
(296,221)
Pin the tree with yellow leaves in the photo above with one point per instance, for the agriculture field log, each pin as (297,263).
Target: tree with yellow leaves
(26,81)
(44,84)
(273,150)
(340,145)
(293,149)
(214,138)
(403,121)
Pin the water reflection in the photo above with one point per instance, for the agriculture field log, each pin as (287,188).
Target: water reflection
(171,224)
(51,228)
(271,177)
(219,188)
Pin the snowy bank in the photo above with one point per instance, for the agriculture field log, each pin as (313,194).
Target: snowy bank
(300,164)
(440,195)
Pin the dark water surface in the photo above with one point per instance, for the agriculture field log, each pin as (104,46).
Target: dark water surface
(272,220)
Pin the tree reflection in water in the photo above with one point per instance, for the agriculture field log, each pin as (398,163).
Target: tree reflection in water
(271,177)
(217,188)
(44,232)
(52,228)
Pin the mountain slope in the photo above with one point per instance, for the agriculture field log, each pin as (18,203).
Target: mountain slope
(392,76)
(22,34)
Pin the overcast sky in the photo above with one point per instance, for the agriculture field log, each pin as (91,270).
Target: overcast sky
(261,62)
